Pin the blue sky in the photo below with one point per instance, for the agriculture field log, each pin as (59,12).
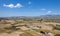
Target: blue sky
(28,7)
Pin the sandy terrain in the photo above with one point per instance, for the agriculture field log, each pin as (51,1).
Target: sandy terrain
(16,33)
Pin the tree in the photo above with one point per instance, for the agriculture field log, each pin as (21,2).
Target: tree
(40,20)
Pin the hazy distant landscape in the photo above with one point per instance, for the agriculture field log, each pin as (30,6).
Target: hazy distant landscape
(30,26)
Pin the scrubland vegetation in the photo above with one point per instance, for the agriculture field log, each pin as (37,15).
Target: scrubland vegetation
(30,27)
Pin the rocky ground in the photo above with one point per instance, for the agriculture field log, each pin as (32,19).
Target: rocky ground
(25,28)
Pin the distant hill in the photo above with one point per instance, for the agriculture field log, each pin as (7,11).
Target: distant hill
(42,16)
(47,18)
(51,18)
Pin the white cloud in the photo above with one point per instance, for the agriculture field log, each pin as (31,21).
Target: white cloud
(29,2)
(43,9)
(48,12)
(18,5)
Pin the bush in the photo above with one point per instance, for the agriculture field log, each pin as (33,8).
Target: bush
(57,35)
(57,28)
(12,28)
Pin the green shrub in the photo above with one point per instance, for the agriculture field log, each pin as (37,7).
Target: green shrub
(12,28)
(57,28)
(57,35)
